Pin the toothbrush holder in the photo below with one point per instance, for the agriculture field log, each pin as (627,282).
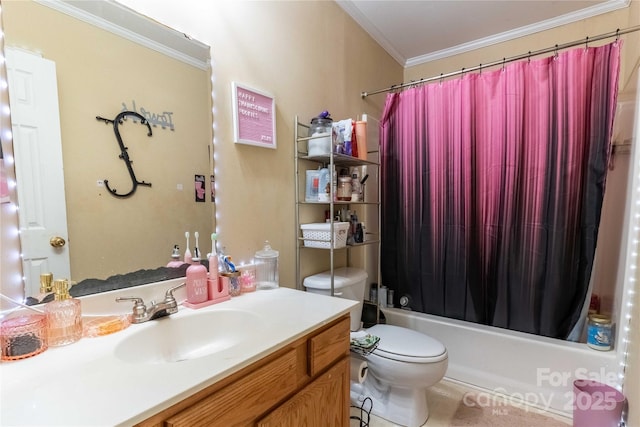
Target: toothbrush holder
(218,289)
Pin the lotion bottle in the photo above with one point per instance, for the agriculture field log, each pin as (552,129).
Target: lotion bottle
(197,289)
(64,316)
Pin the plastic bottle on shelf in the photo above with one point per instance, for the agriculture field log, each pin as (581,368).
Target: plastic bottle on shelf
(324,183)
(355,185)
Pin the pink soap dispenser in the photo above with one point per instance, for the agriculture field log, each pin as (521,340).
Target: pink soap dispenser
(197,290)
(175,258)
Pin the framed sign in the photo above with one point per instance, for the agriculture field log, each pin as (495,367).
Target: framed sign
(254,120)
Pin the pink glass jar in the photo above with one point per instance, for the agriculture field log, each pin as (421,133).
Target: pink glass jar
(23,336)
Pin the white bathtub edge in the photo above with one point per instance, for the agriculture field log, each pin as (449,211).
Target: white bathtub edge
(538,370)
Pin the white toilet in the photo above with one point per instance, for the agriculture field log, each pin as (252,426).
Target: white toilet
(403,366)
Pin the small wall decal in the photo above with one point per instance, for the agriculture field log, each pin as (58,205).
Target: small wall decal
(164,119)
(200,188)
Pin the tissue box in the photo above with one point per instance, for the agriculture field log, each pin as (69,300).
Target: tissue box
(318,235)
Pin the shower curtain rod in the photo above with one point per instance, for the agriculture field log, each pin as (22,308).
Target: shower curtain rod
(529,54)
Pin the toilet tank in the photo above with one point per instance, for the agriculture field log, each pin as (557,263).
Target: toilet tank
(348,282)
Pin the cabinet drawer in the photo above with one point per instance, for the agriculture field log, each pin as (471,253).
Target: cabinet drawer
(328,346)
(244,400)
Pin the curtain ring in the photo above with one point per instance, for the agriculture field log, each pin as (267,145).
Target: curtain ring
(555,53)
(504,61)
(529,58)
(480,68)
(441,78)
(618,34)
(586,43)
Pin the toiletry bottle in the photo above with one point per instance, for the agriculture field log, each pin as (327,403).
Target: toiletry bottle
(197,289)
(64,316)
(175,258)
(355,185)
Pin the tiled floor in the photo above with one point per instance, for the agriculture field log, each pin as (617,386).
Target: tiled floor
(447,408)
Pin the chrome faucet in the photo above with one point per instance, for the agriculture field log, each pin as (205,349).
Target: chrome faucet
(164,308)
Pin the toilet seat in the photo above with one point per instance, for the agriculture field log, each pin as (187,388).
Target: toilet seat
(406,345)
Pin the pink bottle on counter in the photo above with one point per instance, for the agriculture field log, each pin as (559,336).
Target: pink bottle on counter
(197,289)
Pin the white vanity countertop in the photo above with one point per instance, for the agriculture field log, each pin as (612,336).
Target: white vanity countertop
(86,384)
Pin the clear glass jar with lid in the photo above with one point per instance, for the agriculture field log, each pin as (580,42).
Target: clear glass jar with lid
(599,332)
(320,134)
(344,188)
(266,261)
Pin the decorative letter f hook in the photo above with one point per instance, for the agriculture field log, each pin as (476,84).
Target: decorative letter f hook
(123,151)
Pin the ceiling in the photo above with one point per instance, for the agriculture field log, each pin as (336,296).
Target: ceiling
(419,31)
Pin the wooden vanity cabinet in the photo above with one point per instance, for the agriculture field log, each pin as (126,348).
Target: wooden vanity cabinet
(304,384)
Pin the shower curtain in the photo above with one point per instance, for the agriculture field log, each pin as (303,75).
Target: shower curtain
(492,186)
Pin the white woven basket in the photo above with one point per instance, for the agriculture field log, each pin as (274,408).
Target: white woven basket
(318,235)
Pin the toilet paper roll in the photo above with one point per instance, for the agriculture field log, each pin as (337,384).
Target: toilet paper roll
(358,369)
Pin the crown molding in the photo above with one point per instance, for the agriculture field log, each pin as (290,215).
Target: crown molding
(124,22)
(569,18)
(349,7)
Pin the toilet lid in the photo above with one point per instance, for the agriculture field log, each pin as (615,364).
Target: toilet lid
(407,345)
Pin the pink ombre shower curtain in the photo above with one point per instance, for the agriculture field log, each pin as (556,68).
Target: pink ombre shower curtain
(492,187)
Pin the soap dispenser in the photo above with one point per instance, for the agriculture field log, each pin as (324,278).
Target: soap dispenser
(175,258)
(64,316)
(197,289)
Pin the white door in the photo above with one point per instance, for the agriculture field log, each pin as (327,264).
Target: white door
(35,121)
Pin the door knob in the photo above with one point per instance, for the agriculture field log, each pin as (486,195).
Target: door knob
(57,242)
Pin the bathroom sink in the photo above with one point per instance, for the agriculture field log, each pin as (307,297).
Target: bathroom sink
(176,339)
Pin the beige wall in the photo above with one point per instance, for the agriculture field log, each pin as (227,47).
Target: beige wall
(310,56)
(97,72)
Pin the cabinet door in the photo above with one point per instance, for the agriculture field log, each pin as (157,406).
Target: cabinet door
(323,403)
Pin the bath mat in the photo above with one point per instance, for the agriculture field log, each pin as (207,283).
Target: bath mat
(480,411)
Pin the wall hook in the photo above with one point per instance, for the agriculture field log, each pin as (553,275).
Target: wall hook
(123,151)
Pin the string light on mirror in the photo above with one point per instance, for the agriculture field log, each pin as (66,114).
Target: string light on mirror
(11,252)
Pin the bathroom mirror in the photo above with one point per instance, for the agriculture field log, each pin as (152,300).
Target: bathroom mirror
(107,59)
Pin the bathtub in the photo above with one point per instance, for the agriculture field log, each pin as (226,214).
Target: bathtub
(514,365)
